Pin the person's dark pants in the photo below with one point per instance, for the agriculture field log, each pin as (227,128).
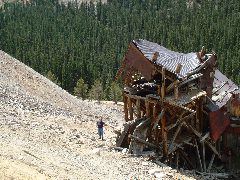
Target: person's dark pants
(100,133)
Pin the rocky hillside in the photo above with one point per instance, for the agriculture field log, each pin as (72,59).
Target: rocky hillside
(45,133)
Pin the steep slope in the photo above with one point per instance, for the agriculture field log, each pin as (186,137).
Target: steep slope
(45,133)
(42,94)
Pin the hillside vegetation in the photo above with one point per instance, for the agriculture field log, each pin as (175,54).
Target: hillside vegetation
(88,41)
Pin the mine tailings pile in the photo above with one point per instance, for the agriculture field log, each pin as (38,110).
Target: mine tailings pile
(180,106)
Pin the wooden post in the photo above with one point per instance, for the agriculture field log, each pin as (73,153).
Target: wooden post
(159,117)
(199,111)
(154,110)
(203,157)
(198,154)
(176,90)
(177,159)
(147,108)
(164,136)
(138,108)
(206,141)
(163,83)
(159,90)
(211,162)
(171,146)
(130,108)
(125,108)
(186,158)
(178,68)
(142,141)
(171,86)
(155,56)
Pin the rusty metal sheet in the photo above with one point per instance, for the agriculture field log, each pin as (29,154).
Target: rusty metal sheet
(223,89)
(167,58)
(218,123)
(134,60)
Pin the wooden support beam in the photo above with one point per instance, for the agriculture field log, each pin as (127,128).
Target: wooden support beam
(163,84)
(164,135)
(206,141)
(154,111)
(198,155)
(159,90)
(204,157)
(176,92)
(123,135)
(185,156)
(130,108)
(178,68)
(180,84)
(171,86)
(199,114)
(205,137)
(142,141)
(134,96)
(160,116)
(199,68)
(125,108)
(174,148)
(179,106)
(172,77)
(138,108)
(197,125)
(211,162)
(180,121)
(187,141)
(147,106)
(174,137)
(177,159)
(190,79)
(216,175)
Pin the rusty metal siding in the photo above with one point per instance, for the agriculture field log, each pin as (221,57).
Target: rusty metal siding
(135,60)
(167,58)
(218,122)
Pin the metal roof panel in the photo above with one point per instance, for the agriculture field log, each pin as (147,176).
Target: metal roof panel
(223,89)
(167,58)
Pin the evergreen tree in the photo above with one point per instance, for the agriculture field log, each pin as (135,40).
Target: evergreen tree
(115,92)
(81,89)
(89,40)
(52,77)
(96,92)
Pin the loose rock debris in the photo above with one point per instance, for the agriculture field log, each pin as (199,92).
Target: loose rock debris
(45,133)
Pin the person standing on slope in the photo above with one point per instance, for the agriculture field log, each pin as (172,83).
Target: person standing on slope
(100,125)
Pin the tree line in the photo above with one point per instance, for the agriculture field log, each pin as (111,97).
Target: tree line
(82,45)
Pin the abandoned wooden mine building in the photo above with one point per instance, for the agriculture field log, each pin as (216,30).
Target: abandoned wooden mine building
(179,105)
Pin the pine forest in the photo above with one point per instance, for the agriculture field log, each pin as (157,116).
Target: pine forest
(80,46)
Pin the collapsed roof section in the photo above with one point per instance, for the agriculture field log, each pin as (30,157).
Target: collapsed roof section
(167,58)
(148,59)
(223,88)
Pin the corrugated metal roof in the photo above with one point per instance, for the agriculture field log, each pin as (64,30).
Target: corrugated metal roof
(167,58)
(223,89)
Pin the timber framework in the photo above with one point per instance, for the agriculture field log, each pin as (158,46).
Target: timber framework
(178,105)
